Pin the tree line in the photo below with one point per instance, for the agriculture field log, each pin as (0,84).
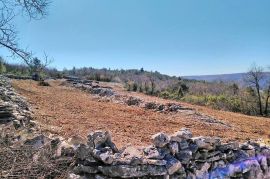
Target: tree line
(249,97)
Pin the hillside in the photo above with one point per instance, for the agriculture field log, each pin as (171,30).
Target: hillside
(87,129)
(234,77)
(67,111)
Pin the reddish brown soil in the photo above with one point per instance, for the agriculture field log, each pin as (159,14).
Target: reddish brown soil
(67,111)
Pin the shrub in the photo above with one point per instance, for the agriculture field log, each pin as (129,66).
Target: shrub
(43,83)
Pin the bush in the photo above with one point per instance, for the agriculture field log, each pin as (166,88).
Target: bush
(43,83)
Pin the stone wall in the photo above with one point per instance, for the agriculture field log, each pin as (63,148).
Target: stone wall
(177,156)
(13,108)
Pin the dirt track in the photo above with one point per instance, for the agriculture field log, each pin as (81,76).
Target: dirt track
(68,112)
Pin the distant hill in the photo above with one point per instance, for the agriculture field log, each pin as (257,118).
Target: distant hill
(235,77)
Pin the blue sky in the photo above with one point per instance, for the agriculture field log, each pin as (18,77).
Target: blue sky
(176,37)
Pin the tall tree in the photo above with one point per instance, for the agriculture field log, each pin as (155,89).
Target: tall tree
(254,78)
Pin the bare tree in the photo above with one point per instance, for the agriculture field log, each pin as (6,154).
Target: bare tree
(267,100)
(267,97)
(9,9)
(253,78)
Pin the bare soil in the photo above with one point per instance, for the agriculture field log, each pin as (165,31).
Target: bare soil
(70,112)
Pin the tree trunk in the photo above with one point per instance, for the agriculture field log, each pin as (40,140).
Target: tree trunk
(267,101)
(259,99)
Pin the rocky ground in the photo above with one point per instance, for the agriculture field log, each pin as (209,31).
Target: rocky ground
(68,111)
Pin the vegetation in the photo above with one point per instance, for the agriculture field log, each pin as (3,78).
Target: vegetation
(252,98)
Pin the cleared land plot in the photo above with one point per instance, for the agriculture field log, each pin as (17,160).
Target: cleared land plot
(69,112)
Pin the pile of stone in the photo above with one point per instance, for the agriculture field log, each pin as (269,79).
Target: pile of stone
(91,87)
(168,107)
(18,77)
(177,156)
(24,151)
(13,108)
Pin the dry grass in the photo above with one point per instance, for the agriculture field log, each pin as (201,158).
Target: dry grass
(68,112)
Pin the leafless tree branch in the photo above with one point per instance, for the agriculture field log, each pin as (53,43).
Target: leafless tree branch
(9,9)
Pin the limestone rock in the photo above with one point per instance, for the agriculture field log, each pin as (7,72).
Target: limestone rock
(84,154)
(184,156)
(155,153)
(105,155)
(160,139)
(80,169)
(203,143)
(101,139)
(174,148)
(182,134)
(173,165)
(127,171)
(36,142)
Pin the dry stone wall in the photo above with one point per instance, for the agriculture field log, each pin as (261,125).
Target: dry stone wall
(178,156)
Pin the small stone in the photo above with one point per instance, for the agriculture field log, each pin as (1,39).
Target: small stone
(183,145)
(203,143)
(184,156)
(101,139)
(203,172)
(155,162)
(155,153)
(106,157)
(36,142)
(240,155)
(74,176)
(229,146)
(173,165)
(83,153)
(160,139)
(174,148)
(80,169)
(182,134)
(16,124)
